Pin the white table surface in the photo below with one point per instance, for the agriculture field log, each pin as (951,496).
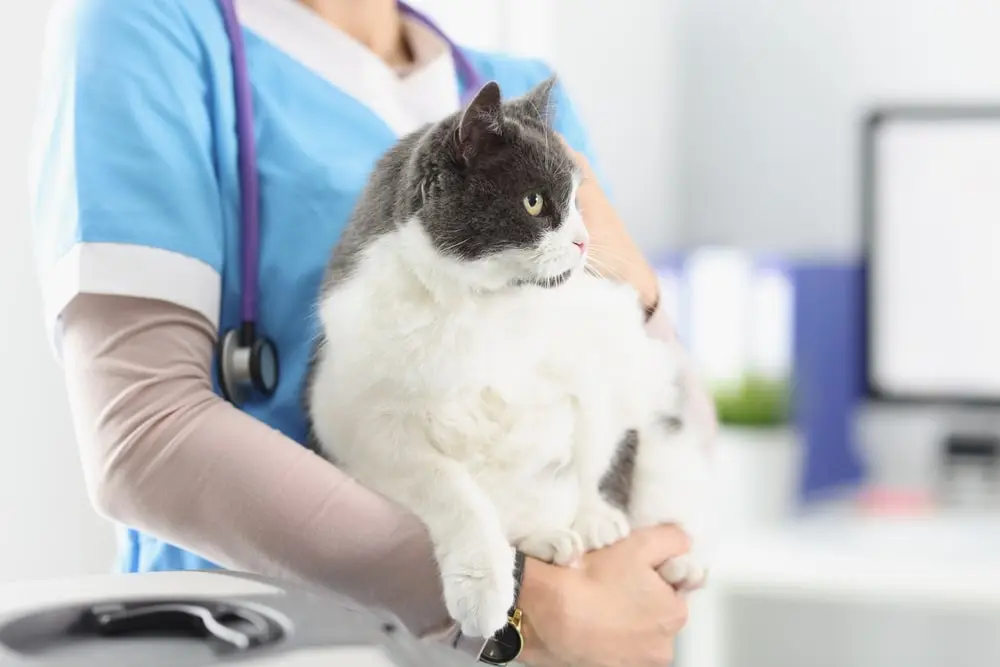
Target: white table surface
(950,557)
(947,562)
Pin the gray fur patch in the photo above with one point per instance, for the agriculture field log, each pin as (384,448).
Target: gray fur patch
(616,485)
(382,206)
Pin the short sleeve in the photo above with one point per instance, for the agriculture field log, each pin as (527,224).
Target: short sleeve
(124,194)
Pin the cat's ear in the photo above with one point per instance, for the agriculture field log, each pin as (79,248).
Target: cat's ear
(481,124)
(539,102)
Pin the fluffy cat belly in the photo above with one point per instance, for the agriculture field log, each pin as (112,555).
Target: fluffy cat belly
(522,457)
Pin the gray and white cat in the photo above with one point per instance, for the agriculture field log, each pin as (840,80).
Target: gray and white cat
(472,370)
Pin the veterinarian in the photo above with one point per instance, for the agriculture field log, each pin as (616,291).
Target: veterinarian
(140,225)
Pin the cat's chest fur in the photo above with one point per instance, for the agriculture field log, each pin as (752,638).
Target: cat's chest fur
(507,385)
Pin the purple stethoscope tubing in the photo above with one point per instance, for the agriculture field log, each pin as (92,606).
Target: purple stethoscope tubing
(247,150)
(247,160)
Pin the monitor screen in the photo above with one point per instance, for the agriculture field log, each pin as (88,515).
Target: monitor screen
(934,251)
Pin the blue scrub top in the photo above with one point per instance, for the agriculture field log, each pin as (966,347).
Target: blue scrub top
(134,171)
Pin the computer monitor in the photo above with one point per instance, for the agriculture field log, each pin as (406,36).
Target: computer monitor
(932,220)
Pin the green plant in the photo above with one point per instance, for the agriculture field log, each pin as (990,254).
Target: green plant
(754,401)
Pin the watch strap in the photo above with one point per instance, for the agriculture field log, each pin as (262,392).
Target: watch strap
(518,578)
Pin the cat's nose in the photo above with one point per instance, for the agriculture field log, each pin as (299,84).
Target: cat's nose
(582,245)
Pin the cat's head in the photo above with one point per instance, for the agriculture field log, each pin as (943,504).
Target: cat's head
(495,192)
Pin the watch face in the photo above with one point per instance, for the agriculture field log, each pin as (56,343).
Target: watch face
(506,646)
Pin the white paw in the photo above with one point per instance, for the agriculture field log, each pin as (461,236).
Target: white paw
(685,573)
(561,546)
(479,587)
(600,525)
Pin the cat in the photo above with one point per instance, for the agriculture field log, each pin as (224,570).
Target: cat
(471,368)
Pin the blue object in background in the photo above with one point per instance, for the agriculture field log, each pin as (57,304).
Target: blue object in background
(829,349)
(827,358)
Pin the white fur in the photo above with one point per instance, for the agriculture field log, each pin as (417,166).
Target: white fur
(493,412)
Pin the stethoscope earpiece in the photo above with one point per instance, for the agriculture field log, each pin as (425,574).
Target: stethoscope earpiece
(246,363)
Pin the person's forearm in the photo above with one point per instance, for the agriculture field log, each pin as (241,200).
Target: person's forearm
(164,454)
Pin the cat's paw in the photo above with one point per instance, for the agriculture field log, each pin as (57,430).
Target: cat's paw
(479,586)
(600,525)
(684,573)
(561,546)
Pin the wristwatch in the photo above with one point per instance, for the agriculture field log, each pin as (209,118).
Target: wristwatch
(507,643)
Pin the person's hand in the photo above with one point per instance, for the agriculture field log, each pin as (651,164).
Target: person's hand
(614,610)
(613,253)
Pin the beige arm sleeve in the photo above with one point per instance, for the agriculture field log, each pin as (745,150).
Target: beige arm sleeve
(164,454)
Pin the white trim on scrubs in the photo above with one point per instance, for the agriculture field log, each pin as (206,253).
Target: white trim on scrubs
(98,268)
(404,103)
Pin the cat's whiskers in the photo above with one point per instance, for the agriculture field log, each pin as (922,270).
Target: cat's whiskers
(596,243)
(454,246)
(604,268)
(604,273)
(607,252)
(607,271)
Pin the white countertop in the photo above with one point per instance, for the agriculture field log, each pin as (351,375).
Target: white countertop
(941,563)
(767,549)
(951,558)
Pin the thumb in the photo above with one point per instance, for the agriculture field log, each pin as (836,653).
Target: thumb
(658,544)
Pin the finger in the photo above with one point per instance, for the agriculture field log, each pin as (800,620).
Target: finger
(658,544)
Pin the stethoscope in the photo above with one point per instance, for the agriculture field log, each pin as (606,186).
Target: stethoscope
(246,360)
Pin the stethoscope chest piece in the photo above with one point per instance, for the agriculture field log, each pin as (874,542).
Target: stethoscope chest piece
(246,367)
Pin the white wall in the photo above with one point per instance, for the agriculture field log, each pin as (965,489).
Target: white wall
(771,92)
(46,523)
(619,59)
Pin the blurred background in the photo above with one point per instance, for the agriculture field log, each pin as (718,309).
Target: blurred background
(819,184)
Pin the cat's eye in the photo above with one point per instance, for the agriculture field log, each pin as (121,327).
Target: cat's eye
(533,204)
